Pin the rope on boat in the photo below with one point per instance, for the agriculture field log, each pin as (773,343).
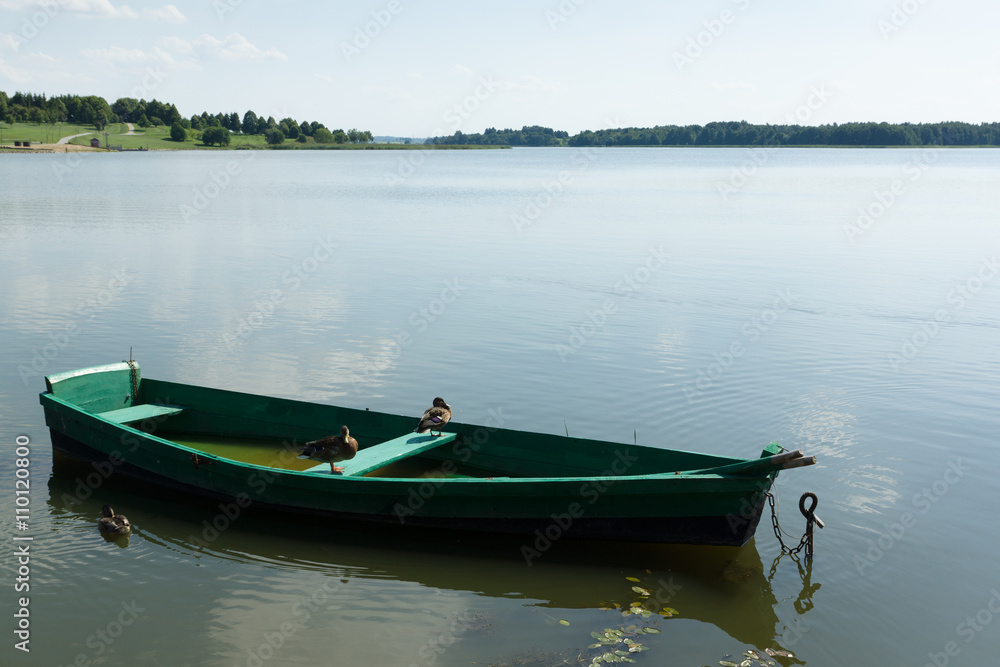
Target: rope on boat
(134,373)
(806,541)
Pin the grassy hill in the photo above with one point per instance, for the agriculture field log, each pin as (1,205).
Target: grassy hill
(158,138)
(47,133)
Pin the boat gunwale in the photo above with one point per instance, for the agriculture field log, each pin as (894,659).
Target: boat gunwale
(313,473)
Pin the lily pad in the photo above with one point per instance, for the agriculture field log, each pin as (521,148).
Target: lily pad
(638,581)
(563,622)
(641,591)
(726,663)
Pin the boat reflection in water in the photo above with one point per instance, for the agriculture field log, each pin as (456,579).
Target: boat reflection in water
(726,587)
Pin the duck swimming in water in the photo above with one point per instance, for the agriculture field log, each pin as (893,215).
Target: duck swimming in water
(435,417)
(332,449)
(113,524)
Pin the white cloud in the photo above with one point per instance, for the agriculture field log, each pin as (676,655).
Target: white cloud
(12,73)
(27,68)
(118,55)
(233,47)
(462,69)
(177,45)
(10,41)
(166,13)
(100,8)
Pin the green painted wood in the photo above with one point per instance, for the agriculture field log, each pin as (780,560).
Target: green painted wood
(96,389)
(138,413)
(382,454)
(523,480)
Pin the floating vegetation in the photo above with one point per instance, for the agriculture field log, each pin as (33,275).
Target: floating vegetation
(612,645)
(752,657)
(618,643)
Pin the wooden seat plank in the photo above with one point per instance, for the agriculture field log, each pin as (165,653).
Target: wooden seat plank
(140,412)
(380,455)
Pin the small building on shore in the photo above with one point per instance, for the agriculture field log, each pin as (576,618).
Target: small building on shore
(95,143)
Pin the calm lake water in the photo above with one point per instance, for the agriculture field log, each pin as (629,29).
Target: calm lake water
(842,302)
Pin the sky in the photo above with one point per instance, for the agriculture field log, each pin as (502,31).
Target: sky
(431,67)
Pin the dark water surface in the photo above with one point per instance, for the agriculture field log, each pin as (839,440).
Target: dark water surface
(843,302)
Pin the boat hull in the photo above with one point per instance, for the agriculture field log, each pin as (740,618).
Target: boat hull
(605,491)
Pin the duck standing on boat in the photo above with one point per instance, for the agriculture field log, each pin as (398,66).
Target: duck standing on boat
(435,417)
(333,449)
(113,524)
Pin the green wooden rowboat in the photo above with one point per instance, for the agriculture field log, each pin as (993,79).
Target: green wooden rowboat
(242,450)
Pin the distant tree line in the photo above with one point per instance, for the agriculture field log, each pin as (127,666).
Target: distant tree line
(31,108)
(745,134)
(93,110)
(533,135)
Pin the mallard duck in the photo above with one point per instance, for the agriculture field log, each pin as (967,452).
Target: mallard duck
(113,524)
(436,416)
(332,448)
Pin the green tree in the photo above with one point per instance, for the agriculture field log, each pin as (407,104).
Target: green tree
(173,115)
(324,136)
(289,127)
(339,137)
(215,135)
(124,107)
(177,132)
(274,136)
(249,125)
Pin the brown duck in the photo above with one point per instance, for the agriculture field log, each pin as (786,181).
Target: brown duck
(436,416)
(113,524)
(333,449)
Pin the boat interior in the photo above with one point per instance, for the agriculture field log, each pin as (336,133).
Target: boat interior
(270,431)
